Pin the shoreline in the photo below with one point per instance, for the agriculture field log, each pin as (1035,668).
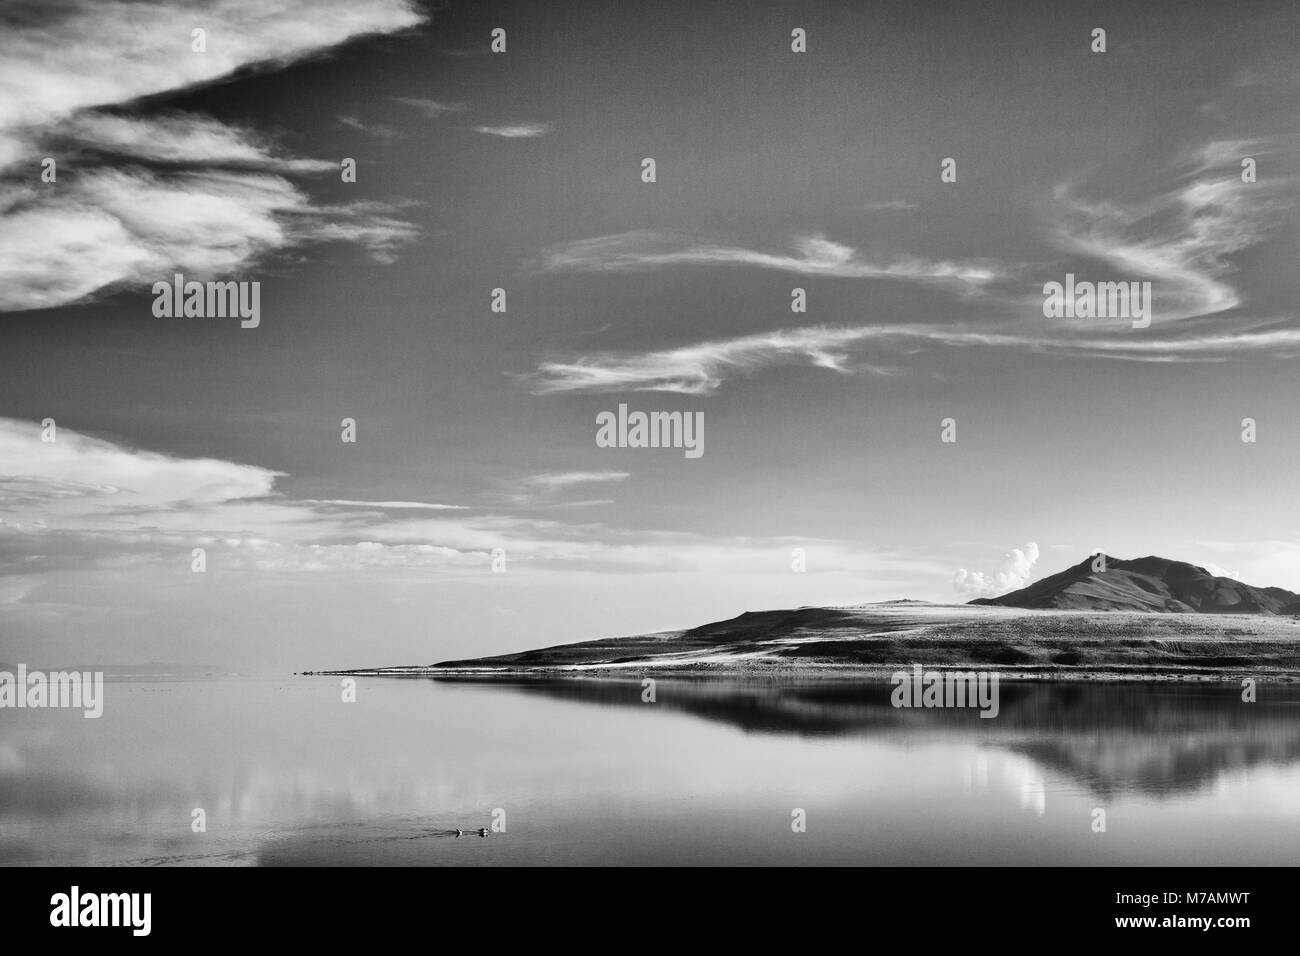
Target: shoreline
(806,672)
(873,642)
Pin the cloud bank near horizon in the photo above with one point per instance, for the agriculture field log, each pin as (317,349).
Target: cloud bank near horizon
(103,505)
(1015,572)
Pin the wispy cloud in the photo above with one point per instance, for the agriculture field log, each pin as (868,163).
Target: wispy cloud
(813,255)
(702,368)
(517,130)
(192,194)
(546,490)
(567,479)
(108,228)
(384,505)
(1180,237)
(81,54)
(888,204)
(379,130)
(432,109)
(178,138)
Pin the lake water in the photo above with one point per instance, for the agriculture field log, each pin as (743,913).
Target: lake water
(711,772)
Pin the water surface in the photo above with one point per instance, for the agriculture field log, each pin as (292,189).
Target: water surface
(587,773)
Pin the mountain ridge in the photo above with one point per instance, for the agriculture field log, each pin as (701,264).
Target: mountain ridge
(1152,584)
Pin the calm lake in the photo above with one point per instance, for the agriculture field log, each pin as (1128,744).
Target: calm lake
(582,771)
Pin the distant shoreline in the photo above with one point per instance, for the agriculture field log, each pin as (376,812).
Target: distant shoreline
(874,641)
(829,672)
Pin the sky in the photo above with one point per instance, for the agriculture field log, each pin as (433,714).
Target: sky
(522,170)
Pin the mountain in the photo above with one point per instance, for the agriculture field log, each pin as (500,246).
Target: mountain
(1146,584)
(1079,623)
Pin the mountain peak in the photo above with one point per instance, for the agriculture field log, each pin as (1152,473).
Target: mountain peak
(1152,584)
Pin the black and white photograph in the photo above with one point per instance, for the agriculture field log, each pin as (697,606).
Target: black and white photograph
(574,434)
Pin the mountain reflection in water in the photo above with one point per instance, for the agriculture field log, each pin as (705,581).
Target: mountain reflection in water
(1153,738)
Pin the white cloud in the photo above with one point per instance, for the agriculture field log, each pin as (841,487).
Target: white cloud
(181,138)
(552,480)
(545,491)
(1180,237)
(385,505)
(380,130)
(432,109)
(78,472)
(888,204)
(57,59)
(1220,572)
(1014,573)
(815,255)
(114,223)
(699,369)
(109,228)
(1262,563)
(516,130)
